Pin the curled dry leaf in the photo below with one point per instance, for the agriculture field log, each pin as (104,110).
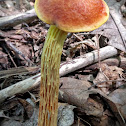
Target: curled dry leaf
(65,115)
(113,29)
(119,98)
(17,109)
(27,106)
(106,78)
(89,103)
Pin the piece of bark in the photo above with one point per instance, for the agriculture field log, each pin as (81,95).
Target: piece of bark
(67,67)
(11,21)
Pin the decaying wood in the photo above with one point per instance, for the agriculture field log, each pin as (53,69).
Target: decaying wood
(11,21)
(18,71)
(20,87)
(65,68)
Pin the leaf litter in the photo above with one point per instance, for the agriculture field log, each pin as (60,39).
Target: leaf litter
(100,105)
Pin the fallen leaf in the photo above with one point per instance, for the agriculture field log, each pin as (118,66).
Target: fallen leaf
(106,78)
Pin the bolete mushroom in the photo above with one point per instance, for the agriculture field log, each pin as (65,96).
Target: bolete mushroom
(64,16)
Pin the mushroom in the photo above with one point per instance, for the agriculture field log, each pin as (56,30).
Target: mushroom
(64,16)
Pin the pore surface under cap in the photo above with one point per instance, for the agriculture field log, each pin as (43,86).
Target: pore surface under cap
(73,15)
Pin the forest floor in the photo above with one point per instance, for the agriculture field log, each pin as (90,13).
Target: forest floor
(92,92)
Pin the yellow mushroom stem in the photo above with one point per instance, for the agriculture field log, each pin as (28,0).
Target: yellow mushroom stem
(49,88)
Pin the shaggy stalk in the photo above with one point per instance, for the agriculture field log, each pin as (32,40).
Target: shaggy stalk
(50,64)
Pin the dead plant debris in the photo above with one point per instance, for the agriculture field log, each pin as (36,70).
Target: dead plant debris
(90,96)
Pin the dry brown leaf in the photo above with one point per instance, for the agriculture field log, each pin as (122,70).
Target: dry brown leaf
(89,102)
(113,29)
(106,78)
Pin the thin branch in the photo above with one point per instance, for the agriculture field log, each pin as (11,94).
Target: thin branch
(11,21)
(12,47)
(10,56)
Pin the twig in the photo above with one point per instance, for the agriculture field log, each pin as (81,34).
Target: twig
(84,121)
(99,62)
(11,21)
(12,47)
(10,56)
(78,37)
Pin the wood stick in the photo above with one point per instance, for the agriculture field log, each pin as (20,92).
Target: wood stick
(18,52)
(67,67)
(18,71)
(11,21)
(87,59)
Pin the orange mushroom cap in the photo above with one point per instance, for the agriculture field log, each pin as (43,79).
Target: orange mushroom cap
(73,15)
